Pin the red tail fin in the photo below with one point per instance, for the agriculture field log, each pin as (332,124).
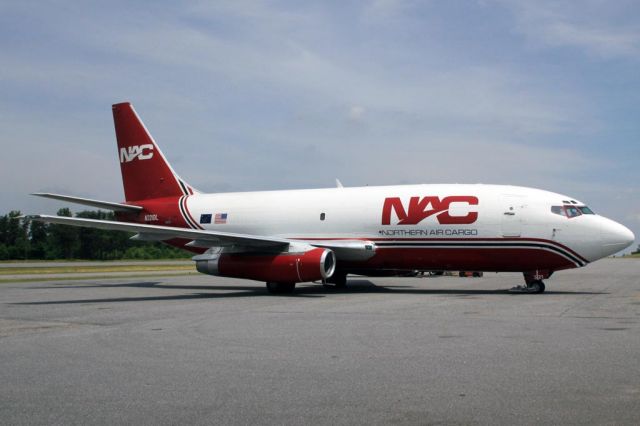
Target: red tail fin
(145,172)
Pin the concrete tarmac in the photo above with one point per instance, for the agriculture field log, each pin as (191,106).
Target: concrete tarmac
(208,350)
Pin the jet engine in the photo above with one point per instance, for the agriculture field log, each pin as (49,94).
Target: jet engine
(314,264)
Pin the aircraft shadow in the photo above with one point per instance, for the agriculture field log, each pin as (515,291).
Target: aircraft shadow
(314,291)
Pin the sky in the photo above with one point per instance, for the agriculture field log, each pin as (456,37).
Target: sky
(245,95)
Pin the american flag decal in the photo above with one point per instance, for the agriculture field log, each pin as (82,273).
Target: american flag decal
(220,218)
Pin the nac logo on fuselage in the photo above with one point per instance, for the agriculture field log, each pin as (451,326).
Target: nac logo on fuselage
(421,208)
(141,152)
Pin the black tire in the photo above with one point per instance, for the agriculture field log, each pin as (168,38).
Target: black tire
(337,281)
(280,288)
(537,286)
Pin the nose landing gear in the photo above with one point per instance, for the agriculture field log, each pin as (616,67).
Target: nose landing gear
(533,281)
(337,281)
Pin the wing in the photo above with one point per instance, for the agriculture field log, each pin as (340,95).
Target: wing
(200,238)
(344,249)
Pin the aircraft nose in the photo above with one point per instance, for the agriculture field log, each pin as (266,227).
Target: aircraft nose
(615,237)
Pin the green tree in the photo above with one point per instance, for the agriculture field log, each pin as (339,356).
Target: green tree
(4,252)
(37,240)
(13,235)
(101,244)
(38,235)
(64,241)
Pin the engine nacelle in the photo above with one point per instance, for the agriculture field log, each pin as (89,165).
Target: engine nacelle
(311,265)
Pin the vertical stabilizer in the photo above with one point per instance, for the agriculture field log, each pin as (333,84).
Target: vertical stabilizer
(145,171)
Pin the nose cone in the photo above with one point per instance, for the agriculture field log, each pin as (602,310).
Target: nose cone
(615,237)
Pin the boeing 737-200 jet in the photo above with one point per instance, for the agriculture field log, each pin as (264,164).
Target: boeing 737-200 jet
(288,237)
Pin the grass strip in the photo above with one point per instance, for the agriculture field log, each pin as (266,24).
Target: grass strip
(93,277)
(72,261)
(48,270)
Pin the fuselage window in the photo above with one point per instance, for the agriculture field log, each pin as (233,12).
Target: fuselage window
(322,216)
(585,210)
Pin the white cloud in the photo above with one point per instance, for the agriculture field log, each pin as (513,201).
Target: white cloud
(356,113)
(384,10)
(601,28)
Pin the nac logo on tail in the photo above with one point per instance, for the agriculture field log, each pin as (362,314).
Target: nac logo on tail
(421,208)
(141,152)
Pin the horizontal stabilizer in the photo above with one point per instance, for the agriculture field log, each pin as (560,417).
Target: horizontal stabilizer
(107,205)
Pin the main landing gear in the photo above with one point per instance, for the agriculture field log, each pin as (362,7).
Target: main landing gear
(536,286)
(337,281)
(533,282)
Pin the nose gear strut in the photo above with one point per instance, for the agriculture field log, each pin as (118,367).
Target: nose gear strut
(533,281)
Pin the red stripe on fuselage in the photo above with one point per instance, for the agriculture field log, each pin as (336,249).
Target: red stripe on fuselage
(466,259)
(186,209)
(495,259)
(444,240)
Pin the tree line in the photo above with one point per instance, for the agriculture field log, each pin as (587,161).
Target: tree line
(21,239)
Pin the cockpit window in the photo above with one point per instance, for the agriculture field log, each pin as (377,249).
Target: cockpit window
(585,210)
(572,211)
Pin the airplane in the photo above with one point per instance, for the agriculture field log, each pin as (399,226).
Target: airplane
(293,236)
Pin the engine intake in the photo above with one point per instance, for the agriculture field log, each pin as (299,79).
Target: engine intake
(312,265)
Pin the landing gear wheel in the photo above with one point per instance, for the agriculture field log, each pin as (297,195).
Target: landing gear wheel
(280,288)
(536,287)
(337,281)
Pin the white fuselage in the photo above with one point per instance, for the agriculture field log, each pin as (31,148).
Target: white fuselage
(505,221)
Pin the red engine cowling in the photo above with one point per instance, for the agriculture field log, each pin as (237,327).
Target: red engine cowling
(312,265)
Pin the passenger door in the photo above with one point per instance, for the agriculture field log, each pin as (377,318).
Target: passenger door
(512,215)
